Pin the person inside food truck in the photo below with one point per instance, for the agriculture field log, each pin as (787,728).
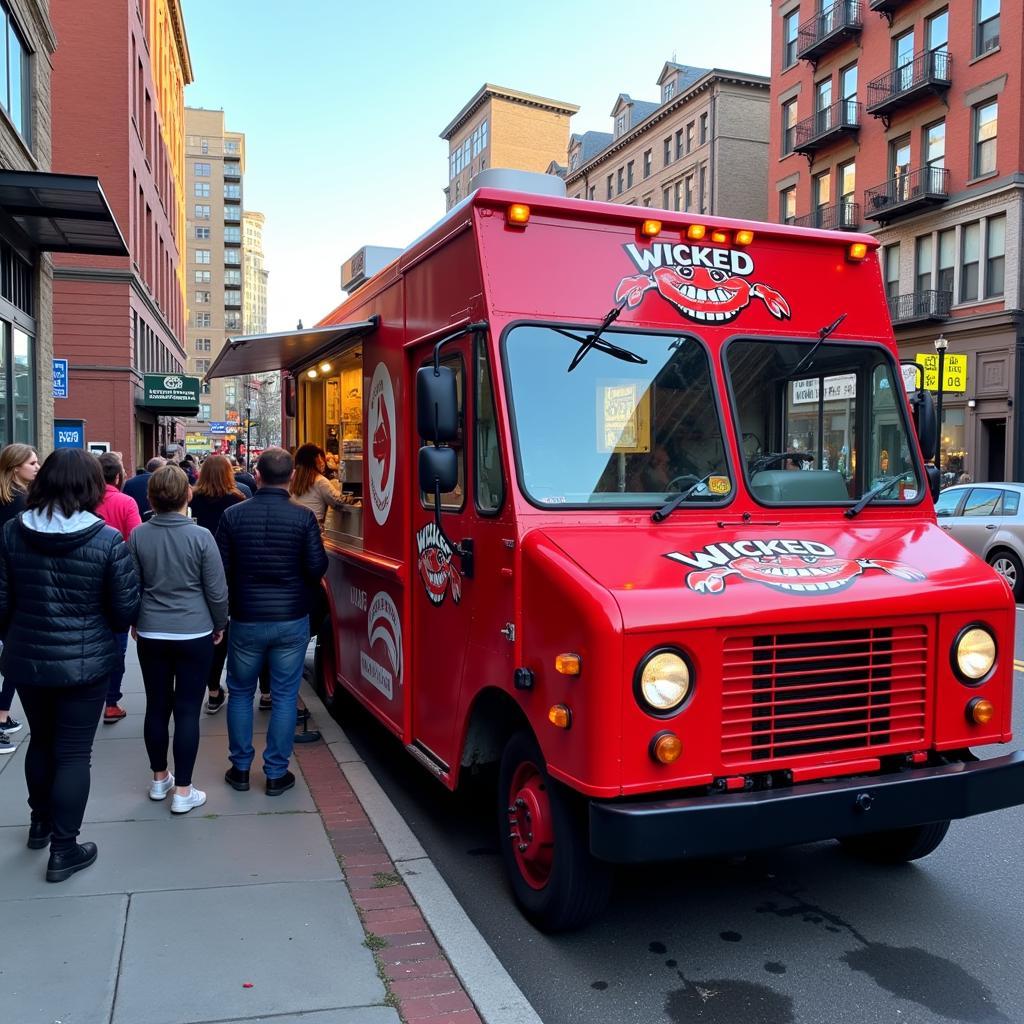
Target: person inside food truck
(698,448)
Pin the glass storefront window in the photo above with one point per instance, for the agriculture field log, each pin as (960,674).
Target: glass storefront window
(953,445)
(5,437)
(23,365)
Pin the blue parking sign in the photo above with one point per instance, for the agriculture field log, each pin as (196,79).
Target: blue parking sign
(60,378)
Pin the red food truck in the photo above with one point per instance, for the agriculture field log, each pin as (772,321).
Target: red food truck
(640,511)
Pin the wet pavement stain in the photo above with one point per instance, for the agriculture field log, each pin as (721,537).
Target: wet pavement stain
(671,963)
(599,985)
(658,947)
(730,936)
(727,1001)
(773,967)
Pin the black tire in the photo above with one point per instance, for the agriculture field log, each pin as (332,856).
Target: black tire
(325,676)
(576,887)
(897,846)
(1009,566)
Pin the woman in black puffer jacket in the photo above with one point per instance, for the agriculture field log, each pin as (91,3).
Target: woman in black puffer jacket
(67,585)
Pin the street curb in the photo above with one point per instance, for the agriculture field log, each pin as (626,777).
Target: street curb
(497,998)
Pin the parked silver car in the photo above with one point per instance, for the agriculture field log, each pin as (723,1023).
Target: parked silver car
(988,519)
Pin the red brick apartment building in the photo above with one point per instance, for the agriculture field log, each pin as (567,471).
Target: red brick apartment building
(903,118)
(119,74)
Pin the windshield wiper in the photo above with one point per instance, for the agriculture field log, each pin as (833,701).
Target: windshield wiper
(876,491)
(676,500)
(594,340)
(764,461)
(822,335)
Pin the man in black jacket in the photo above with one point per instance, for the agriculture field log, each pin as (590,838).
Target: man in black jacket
(274,559)
(138,485)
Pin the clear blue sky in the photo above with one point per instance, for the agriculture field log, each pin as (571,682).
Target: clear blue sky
(342,102)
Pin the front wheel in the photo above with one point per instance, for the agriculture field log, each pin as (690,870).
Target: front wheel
(1009,566)
(898,845)
(325,670)
(557,883)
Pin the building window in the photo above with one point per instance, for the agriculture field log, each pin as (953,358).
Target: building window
(483,135)
(677,201)
(202,189)
(232,297)
(232,234)
(903,60)
(204,319)
(788,126)
(702,177)
(204,145)
(232,169)
(936,32)
(821,195)
(618,180)
(970,255)
(995,256)
(668,90)
(703,129)
(668,152)
(648,162)
(823,105)
(233,256)
(787,205)
(232,321)
(666,199)
(202,277)
(790,25)
(202,344)
(679,143)
(987,35)
(629,174)
(688,193)
(892,270)
(202,255)
(848,93)
(202,365)
(947,260)
(202,233)
(986,122)
(204,411)
(201,211)
(201,170)
(233,277)
(620,124)
(16,80)
(846,175)
(232,191)
(230,394)
(234,213)
(935,147)
(592,194)
(230,145)
(689,136)
(202,298)
(923,259)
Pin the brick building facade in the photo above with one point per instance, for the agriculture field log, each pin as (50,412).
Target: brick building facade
(904,118)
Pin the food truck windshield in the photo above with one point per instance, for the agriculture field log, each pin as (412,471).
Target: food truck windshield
(819,424)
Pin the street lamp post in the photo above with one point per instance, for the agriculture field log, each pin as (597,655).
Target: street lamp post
(940,347)
(248,429)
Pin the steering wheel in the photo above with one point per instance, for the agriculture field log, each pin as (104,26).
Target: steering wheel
(677,482)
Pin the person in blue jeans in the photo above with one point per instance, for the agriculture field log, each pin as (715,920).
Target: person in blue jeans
(274,560)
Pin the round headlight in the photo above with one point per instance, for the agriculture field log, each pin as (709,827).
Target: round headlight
(975,653)
(664,681)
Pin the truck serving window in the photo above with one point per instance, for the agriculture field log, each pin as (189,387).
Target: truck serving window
(821,430)
(614,433)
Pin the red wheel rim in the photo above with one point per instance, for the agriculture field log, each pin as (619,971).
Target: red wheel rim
(328,671)
(529,825)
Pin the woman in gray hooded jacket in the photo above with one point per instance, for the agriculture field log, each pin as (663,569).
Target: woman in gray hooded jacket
(183,615)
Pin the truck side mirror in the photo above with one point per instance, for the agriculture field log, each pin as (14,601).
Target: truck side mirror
(438,470)
(934,482)
(437,406)
(926,422)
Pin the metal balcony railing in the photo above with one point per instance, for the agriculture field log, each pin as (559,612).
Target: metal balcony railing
(826,126)
(828,28)
(907,193)
(841,216)
(927,72)
(917,307)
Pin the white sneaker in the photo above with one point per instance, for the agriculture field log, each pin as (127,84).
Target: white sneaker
(158,790)
(184,804)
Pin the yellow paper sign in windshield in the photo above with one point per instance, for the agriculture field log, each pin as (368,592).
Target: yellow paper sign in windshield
(719,485)
(623,417)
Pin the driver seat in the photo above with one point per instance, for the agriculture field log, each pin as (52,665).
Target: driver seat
(806,485)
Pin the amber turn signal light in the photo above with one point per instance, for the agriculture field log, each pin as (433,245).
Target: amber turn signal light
(744,237)
(720,237)
(568,664)
(650,228)
(857,252)
(666,747)
(695,232)
(518,214)
(980,711)
(560,716)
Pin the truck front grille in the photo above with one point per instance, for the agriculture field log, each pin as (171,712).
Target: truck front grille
(790,694)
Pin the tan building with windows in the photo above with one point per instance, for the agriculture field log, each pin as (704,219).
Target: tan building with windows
(502,127)
(214,269)
(254,275)
(703,147)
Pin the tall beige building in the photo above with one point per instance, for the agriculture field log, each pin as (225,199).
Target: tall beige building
(702,147)
(214,270)
(254,275)
(502,127)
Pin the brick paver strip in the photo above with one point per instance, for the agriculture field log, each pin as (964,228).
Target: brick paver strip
(420,976)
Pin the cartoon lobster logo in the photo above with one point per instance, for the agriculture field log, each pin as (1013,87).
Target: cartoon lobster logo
(708,296)
(436,568)
(796,574)
(382,442)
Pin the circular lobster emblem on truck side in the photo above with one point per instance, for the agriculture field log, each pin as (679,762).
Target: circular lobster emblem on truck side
(382,439)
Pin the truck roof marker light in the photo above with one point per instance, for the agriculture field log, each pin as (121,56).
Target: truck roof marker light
(980,711)
(311,374)
(518,215)
(568,664)
(857,252)
(560,716)
(721,237)
(666,747)
(695,232)
(325,367)
(650,228)
(744,236)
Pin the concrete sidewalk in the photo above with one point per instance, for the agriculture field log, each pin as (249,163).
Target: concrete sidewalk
(236,912)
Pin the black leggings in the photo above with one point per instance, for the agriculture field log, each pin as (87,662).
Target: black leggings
(63,721)
(6,696)
(174,673)
(220,654)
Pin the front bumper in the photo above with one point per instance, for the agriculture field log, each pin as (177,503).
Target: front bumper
(635,832)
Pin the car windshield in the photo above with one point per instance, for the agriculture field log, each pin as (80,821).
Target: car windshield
(615,433)
(825,430)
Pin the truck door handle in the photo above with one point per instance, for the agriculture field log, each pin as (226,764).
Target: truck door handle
(991,526)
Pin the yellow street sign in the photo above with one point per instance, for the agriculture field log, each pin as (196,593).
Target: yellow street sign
(954,370)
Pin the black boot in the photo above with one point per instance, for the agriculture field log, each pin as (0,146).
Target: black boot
(39,835)
(237,779)
(64,863)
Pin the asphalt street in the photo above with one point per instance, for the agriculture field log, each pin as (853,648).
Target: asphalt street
(803,935)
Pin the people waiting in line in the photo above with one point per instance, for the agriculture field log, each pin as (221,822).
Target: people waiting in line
(309,486)
(274,559)
(68,585)
(19,465)
(120,511)
(183,616)
(136,487)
